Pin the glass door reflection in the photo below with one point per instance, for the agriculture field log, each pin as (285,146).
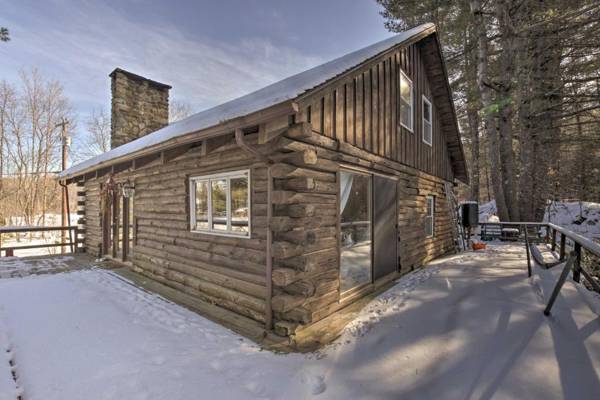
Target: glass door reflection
(356,231)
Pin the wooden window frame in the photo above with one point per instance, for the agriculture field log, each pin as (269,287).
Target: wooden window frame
(412,102)
(424,100)
(193,180)
(430,219)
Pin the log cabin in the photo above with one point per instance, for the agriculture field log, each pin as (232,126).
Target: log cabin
(288,204)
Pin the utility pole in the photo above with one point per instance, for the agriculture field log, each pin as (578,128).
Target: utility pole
(66,142)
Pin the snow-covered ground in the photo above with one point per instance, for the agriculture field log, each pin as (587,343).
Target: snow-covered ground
(9,390)
(579,217)
(466,327)
(13,267)
(486,210)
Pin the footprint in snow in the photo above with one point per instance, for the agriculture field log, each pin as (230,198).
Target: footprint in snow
(217,365)
(315,383)
(256,388)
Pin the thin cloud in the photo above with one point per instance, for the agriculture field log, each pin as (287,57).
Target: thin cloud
(91,39)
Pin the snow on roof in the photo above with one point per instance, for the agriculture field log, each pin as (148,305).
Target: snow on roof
(276,93)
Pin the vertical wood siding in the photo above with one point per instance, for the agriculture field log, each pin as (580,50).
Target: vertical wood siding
(363,109)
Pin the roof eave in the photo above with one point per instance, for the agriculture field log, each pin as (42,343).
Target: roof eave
(284,108)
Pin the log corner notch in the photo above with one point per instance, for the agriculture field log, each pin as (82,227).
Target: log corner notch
(304,231)
(301,270)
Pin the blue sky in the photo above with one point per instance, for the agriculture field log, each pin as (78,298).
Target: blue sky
(209,51)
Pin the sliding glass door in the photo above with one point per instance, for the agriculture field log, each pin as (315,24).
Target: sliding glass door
(356,231)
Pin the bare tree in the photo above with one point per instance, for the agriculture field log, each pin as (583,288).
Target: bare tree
(179,110)
(7,101)
(4,35)
(96,139)
(31,152)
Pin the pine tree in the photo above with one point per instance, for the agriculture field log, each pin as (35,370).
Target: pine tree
(4,36)
(524,74)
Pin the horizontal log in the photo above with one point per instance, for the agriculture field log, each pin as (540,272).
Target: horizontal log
(302,288)
(301,158)
(282,224)
(299,130)
(283,171)
(295,210)
(282,250)
(291,197)
(285,328)
(285,276)
(296,184)
(194,276)
(316,261)
(227,304)
(298,314)
(286,302)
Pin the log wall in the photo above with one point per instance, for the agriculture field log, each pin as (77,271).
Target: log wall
(225,271)
(306,265)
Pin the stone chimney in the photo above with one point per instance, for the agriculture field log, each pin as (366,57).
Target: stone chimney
(139,106)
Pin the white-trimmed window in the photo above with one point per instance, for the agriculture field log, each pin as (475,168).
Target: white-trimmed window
(220,204)
(427,121)
(406,102)
(429,218)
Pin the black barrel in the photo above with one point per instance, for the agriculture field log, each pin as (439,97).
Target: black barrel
(469,212)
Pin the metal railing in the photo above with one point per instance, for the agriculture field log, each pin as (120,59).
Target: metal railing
(554,236)
(71,230)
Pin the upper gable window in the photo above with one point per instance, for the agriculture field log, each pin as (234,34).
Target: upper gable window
(427,121)
(406,102)
(220,204)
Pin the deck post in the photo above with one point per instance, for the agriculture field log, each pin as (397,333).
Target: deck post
(75,241)
(559,284)
(527,250)
(553,239)
(577,265)
(563,242)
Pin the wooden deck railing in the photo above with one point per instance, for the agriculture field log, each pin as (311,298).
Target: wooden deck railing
(554,236)
(71,230)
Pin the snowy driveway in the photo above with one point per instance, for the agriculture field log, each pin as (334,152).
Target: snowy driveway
(468,328)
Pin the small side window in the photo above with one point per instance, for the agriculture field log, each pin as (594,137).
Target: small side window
(427,121)
(430,217)
(406,102)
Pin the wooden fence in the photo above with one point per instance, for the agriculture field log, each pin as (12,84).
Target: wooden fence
(72,242)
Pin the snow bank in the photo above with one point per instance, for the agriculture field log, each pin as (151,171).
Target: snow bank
(487,210)
(580,217)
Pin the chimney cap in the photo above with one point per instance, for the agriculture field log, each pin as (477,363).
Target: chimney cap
(136,77)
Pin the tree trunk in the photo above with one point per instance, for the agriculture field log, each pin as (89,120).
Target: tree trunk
(505,108)
(472,106)
(488,116)
(473,119)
